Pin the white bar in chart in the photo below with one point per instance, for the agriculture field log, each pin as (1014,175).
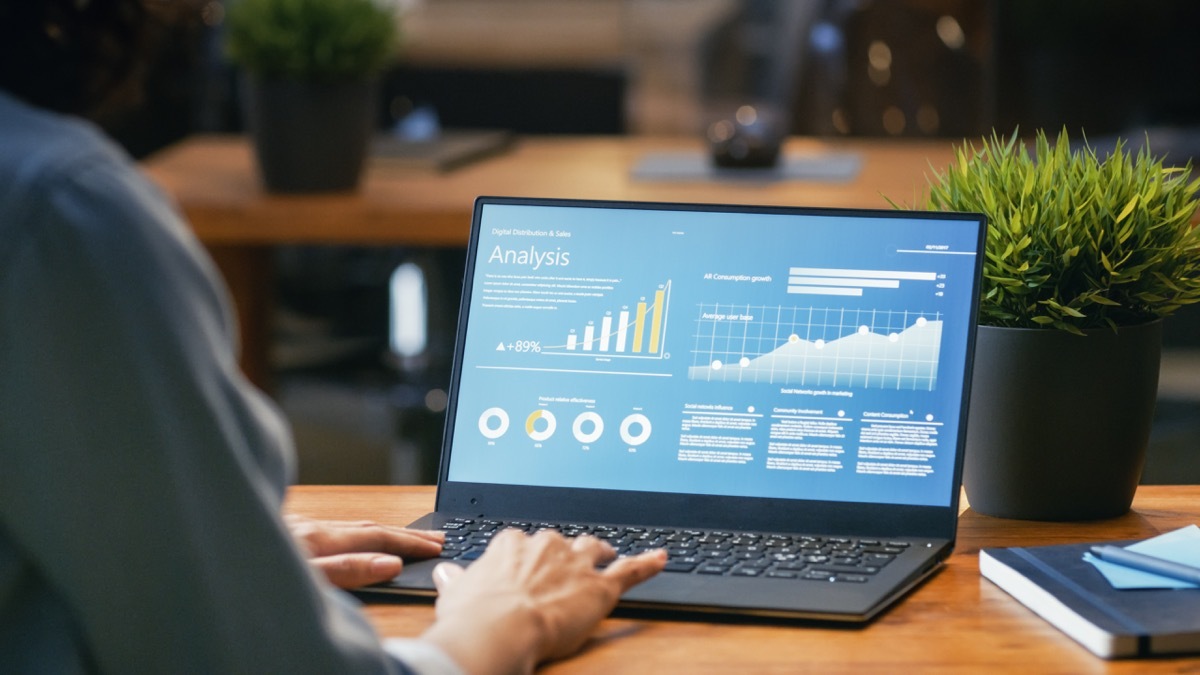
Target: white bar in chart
(830,281)
(622,330)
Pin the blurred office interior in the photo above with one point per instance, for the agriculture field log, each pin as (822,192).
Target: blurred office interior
(364,334)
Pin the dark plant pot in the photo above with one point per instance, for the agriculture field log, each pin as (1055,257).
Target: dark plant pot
(1059,423)
(310,136)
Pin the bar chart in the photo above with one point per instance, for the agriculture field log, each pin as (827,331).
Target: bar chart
(637,329)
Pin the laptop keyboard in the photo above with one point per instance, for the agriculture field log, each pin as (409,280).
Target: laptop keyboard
(715,552)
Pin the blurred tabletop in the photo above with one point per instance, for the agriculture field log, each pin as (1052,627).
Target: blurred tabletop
(215,182)
(214,179)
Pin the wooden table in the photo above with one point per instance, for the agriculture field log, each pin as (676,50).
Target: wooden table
(214,180)
(956,623)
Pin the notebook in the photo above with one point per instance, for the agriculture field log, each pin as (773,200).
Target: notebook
(776,395)
(1131,614)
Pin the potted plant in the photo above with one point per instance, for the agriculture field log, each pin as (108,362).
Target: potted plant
(1085,255)
(309,85)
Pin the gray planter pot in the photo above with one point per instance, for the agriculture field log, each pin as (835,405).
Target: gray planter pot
(1059,423)
(309,136)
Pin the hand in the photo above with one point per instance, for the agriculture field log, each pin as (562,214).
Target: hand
(530,599)
(353,554)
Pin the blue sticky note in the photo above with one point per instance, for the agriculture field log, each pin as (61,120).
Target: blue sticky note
(1181,546)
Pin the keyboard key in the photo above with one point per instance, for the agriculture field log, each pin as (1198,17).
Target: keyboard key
(851,578)
(848,569)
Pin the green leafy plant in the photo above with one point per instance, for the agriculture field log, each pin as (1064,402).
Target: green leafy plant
(1076,240)
(324,40)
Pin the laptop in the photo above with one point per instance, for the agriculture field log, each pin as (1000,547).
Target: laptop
(776,395)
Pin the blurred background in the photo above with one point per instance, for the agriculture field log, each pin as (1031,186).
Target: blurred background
(363,335)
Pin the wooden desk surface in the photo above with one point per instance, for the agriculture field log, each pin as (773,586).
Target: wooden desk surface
(215,181)
(955,623)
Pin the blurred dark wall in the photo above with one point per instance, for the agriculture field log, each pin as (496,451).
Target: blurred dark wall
(187,87)
(1104,66)
(532,101)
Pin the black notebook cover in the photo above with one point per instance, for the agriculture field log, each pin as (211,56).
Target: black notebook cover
(1060,586)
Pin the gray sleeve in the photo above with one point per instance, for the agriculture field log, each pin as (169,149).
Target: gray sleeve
(140,475)
(423,657)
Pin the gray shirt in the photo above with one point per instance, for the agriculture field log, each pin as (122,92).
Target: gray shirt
(141,476)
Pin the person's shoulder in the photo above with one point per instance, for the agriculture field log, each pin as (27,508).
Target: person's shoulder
(64,183)
(42,146)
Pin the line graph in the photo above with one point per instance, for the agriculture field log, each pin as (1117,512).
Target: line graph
(817,346)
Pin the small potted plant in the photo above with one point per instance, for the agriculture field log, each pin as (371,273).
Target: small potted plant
(1085,255)
(309,90)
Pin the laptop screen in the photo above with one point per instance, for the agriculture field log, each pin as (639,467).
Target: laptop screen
(784,353)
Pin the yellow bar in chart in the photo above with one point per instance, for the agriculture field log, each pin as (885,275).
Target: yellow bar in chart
(639,327)
(656,321)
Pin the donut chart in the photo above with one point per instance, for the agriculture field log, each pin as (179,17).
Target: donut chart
(582,422)
(641,422)
(485,423)
(531,424)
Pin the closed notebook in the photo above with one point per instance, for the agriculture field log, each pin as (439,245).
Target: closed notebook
(1064,589)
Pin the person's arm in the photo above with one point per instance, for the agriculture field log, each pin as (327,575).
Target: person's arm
(140,475)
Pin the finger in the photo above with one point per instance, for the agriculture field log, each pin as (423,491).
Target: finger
(375,538)
(397,540)
(371,526)
(633,570)
(598,550)
(352,570)
(509,537)
(430,535)
(445,574)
